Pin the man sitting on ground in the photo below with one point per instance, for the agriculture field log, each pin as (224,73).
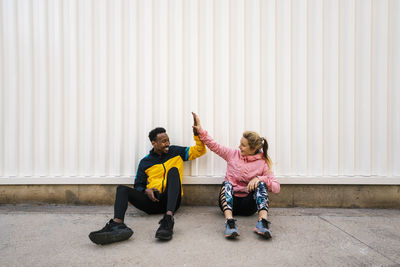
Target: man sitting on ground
(157,188)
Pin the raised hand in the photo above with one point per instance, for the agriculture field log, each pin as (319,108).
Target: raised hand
(196,124)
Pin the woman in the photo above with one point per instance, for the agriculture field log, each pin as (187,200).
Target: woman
(248,179)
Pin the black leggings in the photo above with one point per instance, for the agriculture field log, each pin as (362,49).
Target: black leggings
(170,199)
(244,206)
(248,205)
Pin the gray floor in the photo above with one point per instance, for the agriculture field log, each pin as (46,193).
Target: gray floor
(57,236)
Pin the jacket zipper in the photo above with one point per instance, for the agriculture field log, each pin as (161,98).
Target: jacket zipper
(162,184)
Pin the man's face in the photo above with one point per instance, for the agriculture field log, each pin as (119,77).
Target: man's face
(161,144)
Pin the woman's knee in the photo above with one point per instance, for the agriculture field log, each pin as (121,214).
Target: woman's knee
(228,187)
(261,197)
(262,186)
(226,183)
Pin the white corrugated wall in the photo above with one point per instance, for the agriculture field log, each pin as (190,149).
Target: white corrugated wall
(83,82)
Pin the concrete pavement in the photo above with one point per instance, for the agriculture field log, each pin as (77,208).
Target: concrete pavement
(57,235)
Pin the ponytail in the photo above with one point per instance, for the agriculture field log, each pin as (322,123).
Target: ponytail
(265,152)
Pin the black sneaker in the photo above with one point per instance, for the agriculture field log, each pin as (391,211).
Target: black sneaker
(166,228)
(112,232)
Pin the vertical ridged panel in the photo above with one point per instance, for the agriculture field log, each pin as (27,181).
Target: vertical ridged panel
(283,87)
(24,30)
(299,87)
(236,71)
(114,86)
(347,87)
(379,100)
(70,92)
(11,88)
(331,88)
(145,84)
(221,78)
(40,91)
(83,82)
(394,88)
(315,87)
(1,95)
(85,88)
(129,156)
(206,77)
(190,48)
(55,96)
(363,143)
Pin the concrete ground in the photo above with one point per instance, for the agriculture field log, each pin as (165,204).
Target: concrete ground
(49,235)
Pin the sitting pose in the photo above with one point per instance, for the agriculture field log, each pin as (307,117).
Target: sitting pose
(247,181)
(157,188)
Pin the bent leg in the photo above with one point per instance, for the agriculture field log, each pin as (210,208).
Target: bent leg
(226,204)
(138,199)
(225,199)
(173,190)
(171,199)
(261,197)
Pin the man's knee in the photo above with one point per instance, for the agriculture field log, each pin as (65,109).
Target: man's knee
(122,189)
(173,174)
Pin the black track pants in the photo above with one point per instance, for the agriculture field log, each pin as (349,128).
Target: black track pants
(170,199)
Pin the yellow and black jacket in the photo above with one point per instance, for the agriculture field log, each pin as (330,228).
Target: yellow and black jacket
(152,170)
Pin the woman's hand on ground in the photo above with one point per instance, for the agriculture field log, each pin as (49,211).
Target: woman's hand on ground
(252,185)
(150,194)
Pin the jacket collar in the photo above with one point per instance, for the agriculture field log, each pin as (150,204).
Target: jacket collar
(155,154)
(253,157)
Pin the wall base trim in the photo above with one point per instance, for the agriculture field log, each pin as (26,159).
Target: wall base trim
(335,196)
(115,180)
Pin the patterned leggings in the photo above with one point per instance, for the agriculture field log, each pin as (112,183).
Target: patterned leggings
(255,201)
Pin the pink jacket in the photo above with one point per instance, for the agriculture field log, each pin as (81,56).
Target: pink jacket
(241,170)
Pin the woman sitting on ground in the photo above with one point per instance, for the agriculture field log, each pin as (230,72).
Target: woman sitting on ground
(247,181)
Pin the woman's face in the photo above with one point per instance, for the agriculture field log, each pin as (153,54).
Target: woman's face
(245,149)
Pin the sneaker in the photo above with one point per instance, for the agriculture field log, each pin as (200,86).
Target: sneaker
(262,228)
(112,232)
(166,228)
(231,230)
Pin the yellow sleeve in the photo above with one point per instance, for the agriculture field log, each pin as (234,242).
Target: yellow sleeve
(197,150)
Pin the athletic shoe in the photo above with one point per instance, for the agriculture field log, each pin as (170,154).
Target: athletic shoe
(262,228)
(112,232)
(231,230)
(166,228)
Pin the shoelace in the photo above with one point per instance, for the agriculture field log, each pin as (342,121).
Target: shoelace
(265,223)
(166,223)
(231,223)
(107,227)
(111,224)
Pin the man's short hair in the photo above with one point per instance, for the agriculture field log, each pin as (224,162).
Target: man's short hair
(153,133)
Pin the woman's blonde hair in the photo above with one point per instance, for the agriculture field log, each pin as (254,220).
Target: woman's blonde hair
(258,143)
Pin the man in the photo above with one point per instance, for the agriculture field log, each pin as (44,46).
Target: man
(157,188)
